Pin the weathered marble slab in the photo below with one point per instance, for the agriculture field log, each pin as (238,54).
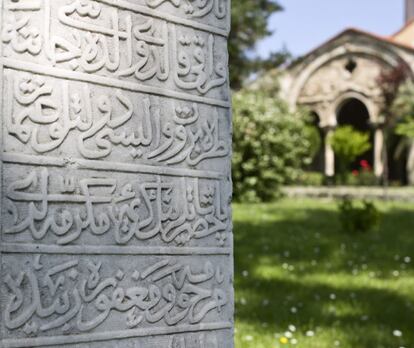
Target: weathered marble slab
(115,150)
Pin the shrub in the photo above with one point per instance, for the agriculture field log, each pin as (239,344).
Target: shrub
(358,217)
(311,179)
(270,145)
(364,176)
(348,144)
(360,178)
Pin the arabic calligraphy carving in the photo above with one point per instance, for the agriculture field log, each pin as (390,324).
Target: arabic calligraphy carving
(43,114)
(115,226)
(67,207)
(80,295)
(95,38)
(199,8)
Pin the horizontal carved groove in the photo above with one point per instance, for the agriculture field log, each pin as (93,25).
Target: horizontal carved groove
(17,248)
(111,335)
(112,166)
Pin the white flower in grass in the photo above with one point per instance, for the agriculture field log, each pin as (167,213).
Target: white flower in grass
(288,334)
(292,328)
(397,333)
(310,333)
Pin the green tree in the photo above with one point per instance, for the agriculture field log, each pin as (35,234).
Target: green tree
(390,81)
(403,108)
(348,144)
(270,145)
(249,24)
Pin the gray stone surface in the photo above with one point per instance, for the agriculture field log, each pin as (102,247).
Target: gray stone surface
(405,194)
(115,174)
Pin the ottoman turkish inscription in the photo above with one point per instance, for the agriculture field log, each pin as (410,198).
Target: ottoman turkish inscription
(115,174)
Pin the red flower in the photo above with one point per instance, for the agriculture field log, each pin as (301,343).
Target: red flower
(355,172)
(364,164)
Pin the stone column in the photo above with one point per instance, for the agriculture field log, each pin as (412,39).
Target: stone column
(329,153)
(410,164)
(116,188)
(378,151)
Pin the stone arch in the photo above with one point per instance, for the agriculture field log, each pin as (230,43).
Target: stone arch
(387,56)
(342,99)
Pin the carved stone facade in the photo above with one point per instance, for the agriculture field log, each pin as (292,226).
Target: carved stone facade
(347,68)
(115,174)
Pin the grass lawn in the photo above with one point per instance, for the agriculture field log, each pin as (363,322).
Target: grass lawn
(299,278)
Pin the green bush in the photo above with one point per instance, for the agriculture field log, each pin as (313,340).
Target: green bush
(348,144)
(363,176)
(358,217)
(311,179)
(270,145)
(361,179)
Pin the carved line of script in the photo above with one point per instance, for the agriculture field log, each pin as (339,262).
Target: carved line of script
(109,82)
(191,64)
(103,127)
(36,5)
(167,292)
(133,211)
(126,5)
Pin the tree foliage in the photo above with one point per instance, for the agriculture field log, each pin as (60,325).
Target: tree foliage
(270,145)
(390,82)
(249,24)
(403,108)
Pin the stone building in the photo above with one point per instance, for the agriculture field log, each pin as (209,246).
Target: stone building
(338,81)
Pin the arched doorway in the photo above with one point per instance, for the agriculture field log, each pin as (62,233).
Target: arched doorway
(354,112)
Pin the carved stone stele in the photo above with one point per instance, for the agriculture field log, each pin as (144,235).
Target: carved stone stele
(115,174)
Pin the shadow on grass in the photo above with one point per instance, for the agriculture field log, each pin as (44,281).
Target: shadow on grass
(298,267)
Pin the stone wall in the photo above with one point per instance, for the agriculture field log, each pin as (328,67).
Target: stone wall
(115,174)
